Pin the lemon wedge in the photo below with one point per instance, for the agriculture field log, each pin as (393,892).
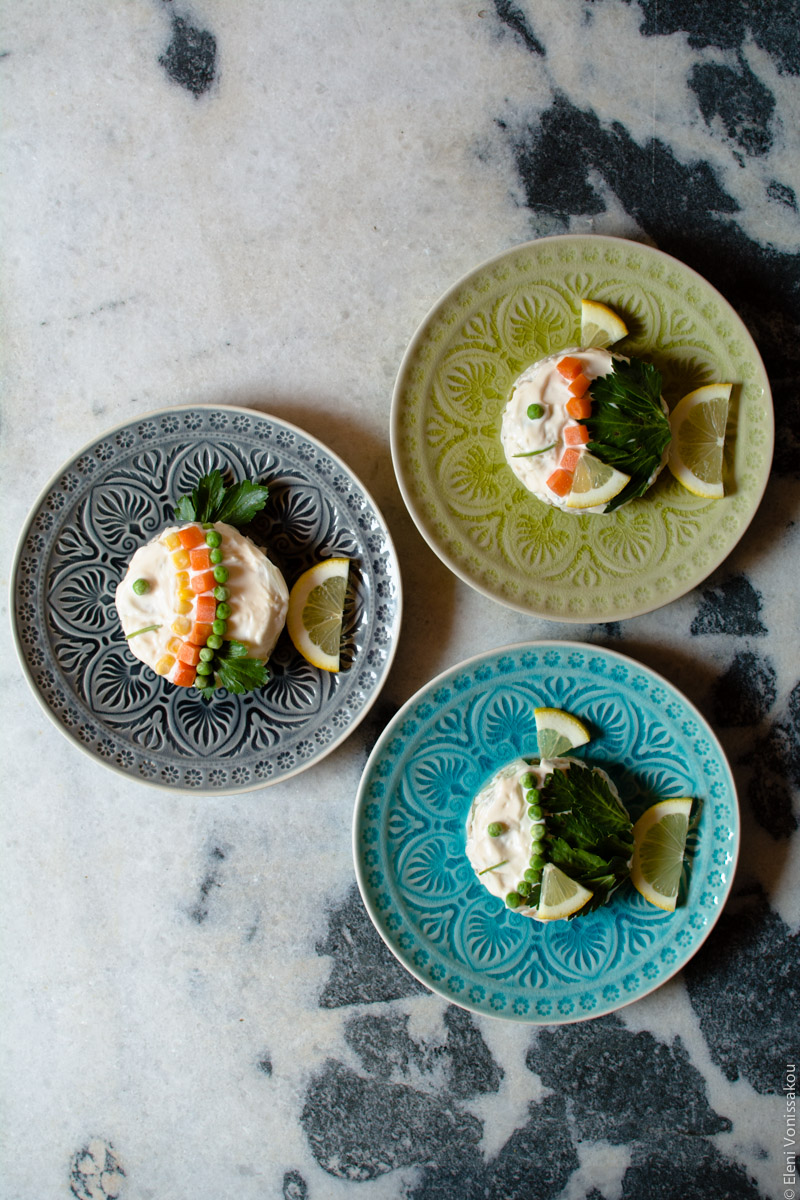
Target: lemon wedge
(558,731)
(698,436)
(659,838)
(594,483)
(600,326)
(560,896)
(314,619)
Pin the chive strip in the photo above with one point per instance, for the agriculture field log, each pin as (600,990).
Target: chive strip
(530,453)
(136,632)
(494,868)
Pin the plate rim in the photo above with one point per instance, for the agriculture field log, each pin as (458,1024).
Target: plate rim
(388,732)
(178,789)
(394,425)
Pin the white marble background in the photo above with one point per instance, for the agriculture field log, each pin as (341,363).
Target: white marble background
(273,243)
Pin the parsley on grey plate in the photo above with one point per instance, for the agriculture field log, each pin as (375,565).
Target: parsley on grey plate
(213,501)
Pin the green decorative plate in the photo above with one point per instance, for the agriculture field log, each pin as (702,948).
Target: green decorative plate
(454,382)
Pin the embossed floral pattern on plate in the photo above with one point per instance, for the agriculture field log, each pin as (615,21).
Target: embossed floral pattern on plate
(409,833)
(117,494)
(454,382)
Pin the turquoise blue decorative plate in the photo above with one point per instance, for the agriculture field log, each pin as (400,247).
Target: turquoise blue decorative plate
(456,378)
(409,833)
(116,494)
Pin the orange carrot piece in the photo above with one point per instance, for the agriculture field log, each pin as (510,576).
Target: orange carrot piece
(183,675)
(206,609)
(578,407)
(189,654)
(575,435)
(569,459)
(579,385)
(569,367)
(191,536)
(203,582)
(560,481)
(199,558)
(200,634)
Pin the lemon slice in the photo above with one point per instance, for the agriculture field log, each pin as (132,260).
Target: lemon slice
(558,731)
(560,896)
(600,327)
(698,436)
(659,838)
(314,619)
(594,483)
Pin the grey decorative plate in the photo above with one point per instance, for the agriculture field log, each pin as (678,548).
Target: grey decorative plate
(115,495)
(409,834)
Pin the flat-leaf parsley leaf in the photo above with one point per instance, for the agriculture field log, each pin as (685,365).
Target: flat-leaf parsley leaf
(234,671)
(212,501)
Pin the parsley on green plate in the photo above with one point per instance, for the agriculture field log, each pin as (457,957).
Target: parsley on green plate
(454,382)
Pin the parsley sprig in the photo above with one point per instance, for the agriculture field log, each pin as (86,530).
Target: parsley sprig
(628,428)
(234,671)
(590,835)
(212,501)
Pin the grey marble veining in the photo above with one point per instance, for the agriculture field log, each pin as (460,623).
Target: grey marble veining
(256,204)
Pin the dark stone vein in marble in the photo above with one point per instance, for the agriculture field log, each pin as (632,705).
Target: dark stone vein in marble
(190,58)
(732,607)
(773,27)
(685,1168)
(199,911)
(745,692)
(364,970)
(775,760)
(294,1186)
(516,20)
(623,1086)
(739,99)
(95,1172)
(744,985)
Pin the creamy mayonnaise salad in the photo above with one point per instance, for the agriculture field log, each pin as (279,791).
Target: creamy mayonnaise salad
(500,859)
(163,588)
(537,429)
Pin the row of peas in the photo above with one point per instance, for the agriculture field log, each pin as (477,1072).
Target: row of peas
(528,889)
(201,605)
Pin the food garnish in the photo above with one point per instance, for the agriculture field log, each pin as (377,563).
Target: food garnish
(660,840)
(698,436)
(145,629)
(231,669)
(628,429)
(213,501)
(558,731)
(316,606)
(601,327)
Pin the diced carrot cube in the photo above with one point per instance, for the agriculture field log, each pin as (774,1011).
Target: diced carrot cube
(579,385)
(579,407)
(199,558)
(560,481)
(575,435)
(191,536)
(200,634)
(183,675)
(569,367)
(206,609)
(189,654)
(569,459)
(203,582)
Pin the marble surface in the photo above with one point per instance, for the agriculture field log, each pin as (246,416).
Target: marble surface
(256,204)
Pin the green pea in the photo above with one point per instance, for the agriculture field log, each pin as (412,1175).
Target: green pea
(214,557)
(207,525)
(214,641)
(537,835)
(495,829)
(221,593)
(207,654)
(204,668)
(141,587)
(223,610)
(213,538)
(535,411)
(535,811)
(524,888)
(220,627)
(513,899)
(537,862)
(221,576)
(528,781)
(532,875)
(533,796)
